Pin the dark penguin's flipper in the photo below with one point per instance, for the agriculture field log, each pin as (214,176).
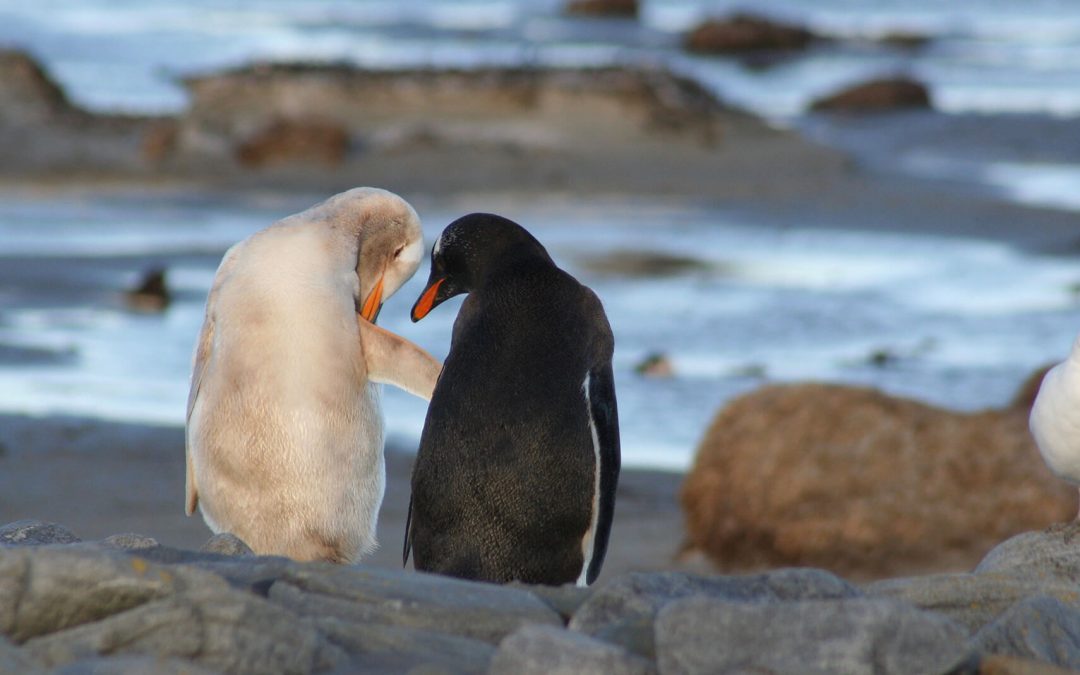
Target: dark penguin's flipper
(408,536)
(605,417)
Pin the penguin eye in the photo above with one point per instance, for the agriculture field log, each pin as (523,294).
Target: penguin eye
(397,253)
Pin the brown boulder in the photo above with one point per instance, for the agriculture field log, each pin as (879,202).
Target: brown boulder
(877,95)
(618,8)
(27,93)
(741,33)
(864,484)
(285,141)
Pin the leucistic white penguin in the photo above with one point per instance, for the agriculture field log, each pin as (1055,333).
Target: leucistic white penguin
(284,425)
(518,462)
(1055,418)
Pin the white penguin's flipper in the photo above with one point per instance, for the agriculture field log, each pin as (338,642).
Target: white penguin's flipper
(202,356)
(203,349)
(391,359)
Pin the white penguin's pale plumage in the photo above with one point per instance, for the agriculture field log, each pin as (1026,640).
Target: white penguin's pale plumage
(284,426)
(1055,418)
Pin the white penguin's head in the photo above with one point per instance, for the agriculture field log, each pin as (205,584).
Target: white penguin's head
(384,231)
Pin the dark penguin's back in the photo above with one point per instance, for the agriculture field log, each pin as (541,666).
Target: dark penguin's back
(518,460)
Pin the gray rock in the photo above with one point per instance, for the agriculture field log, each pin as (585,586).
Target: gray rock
(860,635)
(546,650)
(35,533)
(131,665)
(399,649)
(482,611)
(215,628)
(129,542)
(14,660)
(1040,628)
(46,589)
(1053,554)
(972,600)
(226,543)
(622,610)
(565,599)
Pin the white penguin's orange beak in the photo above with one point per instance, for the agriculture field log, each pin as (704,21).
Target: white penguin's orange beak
(373,304)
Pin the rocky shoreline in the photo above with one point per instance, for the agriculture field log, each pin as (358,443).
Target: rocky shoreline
(126,604)
(623,130)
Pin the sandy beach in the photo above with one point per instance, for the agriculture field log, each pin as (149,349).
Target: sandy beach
(100,478)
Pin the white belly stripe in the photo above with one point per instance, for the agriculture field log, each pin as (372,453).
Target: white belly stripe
(588,542)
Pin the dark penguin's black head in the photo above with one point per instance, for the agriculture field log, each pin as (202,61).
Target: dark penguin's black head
(467,251)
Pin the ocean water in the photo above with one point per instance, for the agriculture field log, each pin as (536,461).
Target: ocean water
(958,323)
(954,322)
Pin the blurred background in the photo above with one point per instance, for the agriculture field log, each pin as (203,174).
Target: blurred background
(924,241)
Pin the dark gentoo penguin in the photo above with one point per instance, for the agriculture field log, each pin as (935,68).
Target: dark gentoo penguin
(519,458)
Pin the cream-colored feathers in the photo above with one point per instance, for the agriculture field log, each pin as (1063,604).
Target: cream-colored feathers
(284,431)
(1055,418)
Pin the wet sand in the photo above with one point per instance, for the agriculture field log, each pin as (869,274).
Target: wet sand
(102,478)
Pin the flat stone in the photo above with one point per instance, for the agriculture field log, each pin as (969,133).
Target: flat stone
(546,650)
(47,589)
(131,665)
(219,629)
(972,600)
(15,660)
(565,599)
(226,543)
(130,542)
(1039,628)
(622,610)
(35,533)
(482,611)
(860,635)
(1051,554)
(385,648)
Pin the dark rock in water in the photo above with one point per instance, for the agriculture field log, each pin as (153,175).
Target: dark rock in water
(159,141)
(285,141)
(546,650)
(655,365)
(741,33)
(642,264)
(623,609)
(615,8)
(130,542)
(151,293)
(905,40)
(35,533)
(226,543)
(708,635)
(1053,554)
(1040,628)
(971,600)
(29,95)
(480,611)
(898,93)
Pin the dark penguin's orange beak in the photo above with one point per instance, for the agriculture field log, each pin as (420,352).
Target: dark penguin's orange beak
(428,299)
(373,304)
